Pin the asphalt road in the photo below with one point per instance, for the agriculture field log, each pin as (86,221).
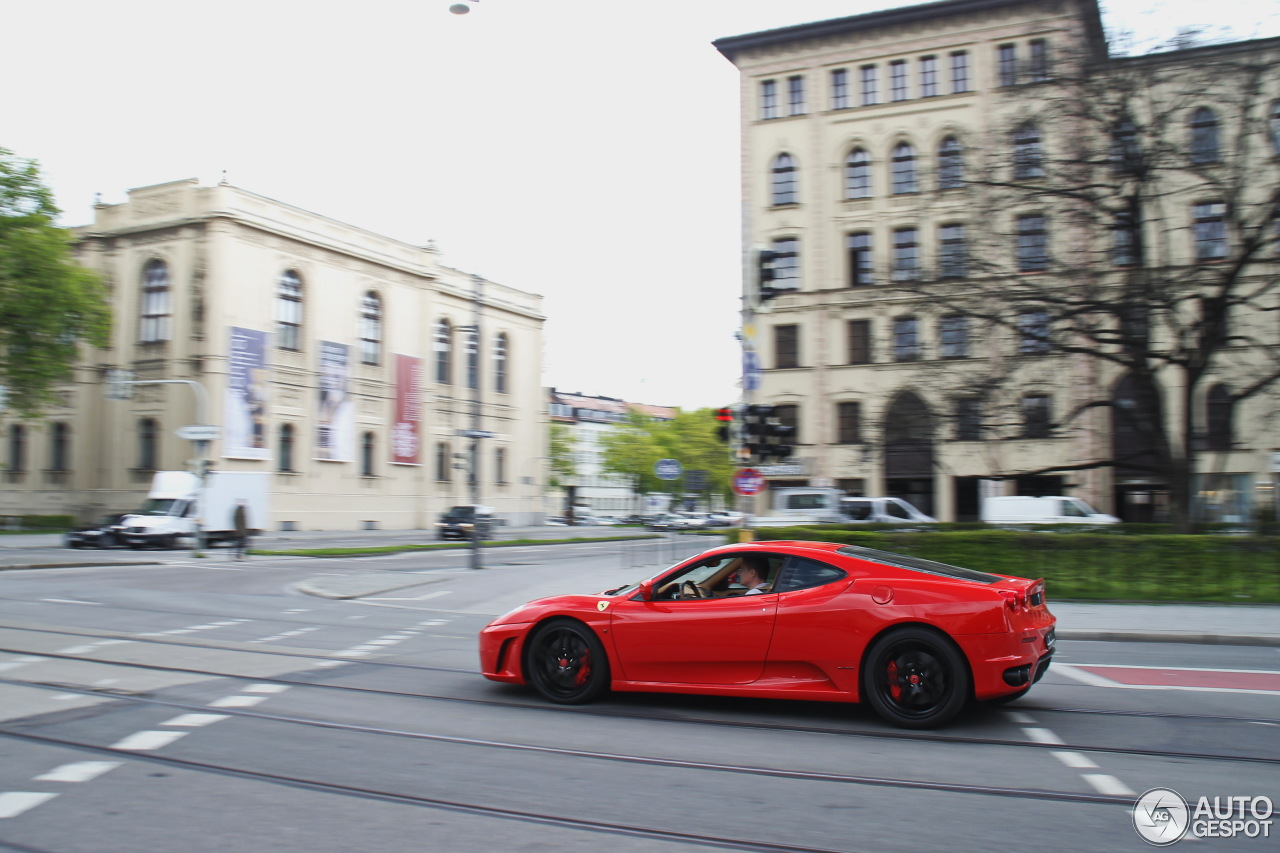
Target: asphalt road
(204,704)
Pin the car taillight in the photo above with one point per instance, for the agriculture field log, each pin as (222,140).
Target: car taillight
(1014,600)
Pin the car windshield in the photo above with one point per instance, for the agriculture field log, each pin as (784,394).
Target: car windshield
(917,564)
(160,506)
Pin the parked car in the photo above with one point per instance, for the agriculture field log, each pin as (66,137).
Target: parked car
(725,518)
(914,639)
(466,521)
(105,533)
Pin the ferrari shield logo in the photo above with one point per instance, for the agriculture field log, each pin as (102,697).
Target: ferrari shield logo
(601,605)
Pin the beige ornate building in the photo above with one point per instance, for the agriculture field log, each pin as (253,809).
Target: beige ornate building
(340,363)
(901,162)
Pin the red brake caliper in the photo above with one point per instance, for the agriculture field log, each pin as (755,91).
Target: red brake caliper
(584,669)
(895,689)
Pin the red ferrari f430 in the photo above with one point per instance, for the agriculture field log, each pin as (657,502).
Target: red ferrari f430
(914,639)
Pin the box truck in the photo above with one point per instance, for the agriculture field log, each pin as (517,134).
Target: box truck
(176,501)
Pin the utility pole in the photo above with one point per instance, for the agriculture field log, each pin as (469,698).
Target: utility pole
(476,433)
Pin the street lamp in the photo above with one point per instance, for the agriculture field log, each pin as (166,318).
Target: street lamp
(461,8)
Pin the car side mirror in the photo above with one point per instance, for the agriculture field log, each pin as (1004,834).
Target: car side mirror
(646,590)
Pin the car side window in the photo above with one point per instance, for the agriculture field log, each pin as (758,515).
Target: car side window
(803,573)
(858,510)
(896,510)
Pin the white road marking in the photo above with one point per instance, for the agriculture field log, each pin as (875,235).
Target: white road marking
(64,697)
(12,664)
(384,642)
(1084,677)
(1173,668)
(72,601)
(103,682)
(81,771)
(1075,760)
(236,701)
(195,720)
(1020,718)
(14,803)
(327,663)
(266,688)
(1044,736)
(147,740)
(1109,785)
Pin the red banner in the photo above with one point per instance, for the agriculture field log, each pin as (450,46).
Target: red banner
(406,431)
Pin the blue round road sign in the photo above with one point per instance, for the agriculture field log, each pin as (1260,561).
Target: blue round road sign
(667,469)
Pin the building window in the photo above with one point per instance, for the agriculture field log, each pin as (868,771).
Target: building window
(768,99)
(857,175)
(1036,422)
(840,89)
(1210,222)
(444,463)
(904,168)
(789,415)
(444,353)
(366,455)
(148,441)
(285,461)
(786,263)
(1204,136)
(289,311)
(1123,242)
(848,423)
(371,329)
(906,260)
(906,339)
(1033,254)
(969,419)
(953,252)
(953,336)
(950,164)
(60,448)
(1007,64)
(1033,332)
(1218,406)
(17,448)
(960,71)
(870,86)
(1028,159)
(898,80)
(795,95)
(1126,155)
(1274,123)
(471,344)
(859,341)
(1038,67)
(860,260)
(786,347)
(500,465)
(155,302)
(784,180)
(500,364)
(928,76)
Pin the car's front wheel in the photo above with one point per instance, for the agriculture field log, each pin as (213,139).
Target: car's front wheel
(915,678)
(566,663)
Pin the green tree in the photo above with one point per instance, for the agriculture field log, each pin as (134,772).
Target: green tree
(560,456)
(48,304)
(690,438)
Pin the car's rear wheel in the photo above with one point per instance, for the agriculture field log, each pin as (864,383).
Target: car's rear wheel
(915,678)
(566,663)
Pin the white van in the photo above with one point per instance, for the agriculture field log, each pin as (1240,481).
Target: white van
(1047,510)
(882,511)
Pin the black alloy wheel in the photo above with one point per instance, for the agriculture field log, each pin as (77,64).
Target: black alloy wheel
(915,678)
(566,663)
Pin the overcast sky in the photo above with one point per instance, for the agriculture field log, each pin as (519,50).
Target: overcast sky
(586,151)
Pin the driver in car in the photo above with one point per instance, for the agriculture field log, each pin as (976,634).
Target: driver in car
(752,575)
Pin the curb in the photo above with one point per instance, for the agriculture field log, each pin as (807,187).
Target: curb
(6,568)
(1166,637)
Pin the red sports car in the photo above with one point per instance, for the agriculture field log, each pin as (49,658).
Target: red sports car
(915,639)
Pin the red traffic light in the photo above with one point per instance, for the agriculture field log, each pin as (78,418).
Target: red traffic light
(725,414)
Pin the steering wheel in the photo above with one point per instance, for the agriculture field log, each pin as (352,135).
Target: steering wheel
(689,589)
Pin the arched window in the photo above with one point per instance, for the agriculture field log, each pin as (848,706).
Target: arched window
(500,363)
(17,448)
(500,465)
(1204,136)
(1028,159)
(472,344)
(950,164)
(1218,406)
(857,174)
(148,444)
(285,456)
(155,303)
(442,462)
(289,311)
(366,454)
(904,168)
(371,329)
(444,353)
(60,447)
(1273,125)
(784,180)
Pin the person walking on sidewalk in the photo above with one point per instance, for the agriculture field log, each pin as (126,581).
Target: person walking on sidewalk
(240,523)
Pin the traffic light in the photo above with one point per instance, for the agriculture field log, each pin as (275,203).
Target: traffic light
(764,436)
(765,274)
(724,417)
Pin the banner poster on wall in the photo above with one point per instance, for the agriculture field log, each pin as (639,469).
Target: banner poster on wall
(245,430)
(335,424)
(406,431)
